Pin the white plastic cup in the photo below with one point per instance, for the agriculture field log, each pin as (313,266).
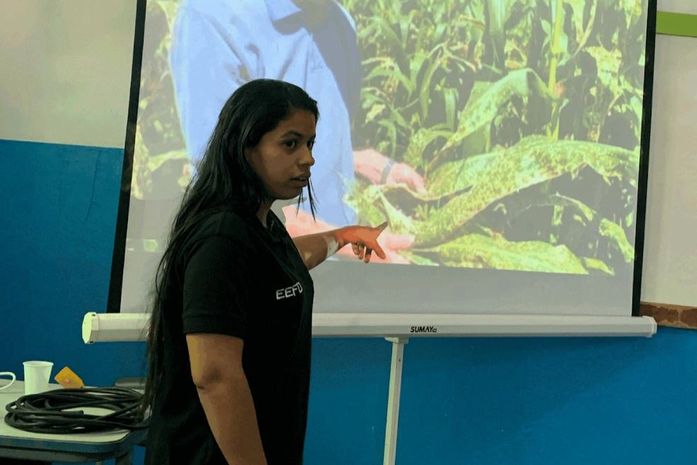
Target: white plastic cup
(36,376)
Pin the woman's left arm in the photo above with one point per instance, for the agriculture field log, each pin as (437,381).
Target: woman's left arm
(315,248)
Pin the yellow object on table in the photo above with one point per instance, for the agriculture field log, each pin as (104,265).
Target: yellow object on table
(68,379)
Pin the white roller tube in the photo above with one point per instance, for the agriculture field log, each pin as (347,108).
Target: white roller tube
(113,327)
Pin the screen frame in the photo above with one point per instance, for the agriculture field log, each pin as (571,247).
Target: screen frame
(119,254)
(119,250)
(643,181)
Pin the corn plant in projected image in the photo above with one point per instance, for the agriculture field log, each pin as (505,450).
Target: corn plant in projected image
(161,167)
(159,152)
(524,117)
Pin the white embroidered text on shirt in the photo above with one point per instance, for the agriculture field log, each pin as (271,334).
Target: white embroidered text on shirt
(289,291)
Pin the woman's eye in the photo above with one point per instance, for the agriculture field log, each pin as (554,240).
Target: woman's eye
(291,144)
(310,144)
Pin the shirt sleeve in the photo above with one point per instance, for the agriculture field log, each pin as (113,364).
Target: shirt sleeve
(206,69)
(216,294)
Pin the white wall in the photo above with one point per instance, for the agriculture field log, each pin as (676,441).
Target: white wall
(65,70)
(670,251)
(678,6)
(65,74)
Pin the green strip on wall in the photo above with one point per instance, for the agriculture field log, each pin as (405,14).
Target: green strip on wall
(676,24)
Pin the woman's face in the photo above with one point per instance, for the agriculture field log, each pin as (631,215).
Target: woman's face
(283,157)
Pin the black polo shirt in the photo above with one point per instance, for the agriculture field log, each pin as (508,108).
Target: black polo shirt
(235,277)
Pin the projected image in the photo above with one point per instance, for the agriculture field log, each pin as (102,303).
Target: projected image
(494,134)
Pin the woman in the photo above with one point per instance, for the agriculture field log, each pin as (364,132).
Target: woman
(229,340)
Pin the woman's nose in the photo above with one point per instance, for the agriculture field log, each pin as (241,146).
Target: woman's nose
(307,158)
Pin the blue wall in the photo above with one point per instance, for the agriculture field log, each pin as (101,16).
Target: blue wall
(465,401)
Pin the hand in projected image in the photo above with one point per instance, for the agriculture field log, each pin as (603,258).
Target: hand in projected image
(379,169)
(401,173)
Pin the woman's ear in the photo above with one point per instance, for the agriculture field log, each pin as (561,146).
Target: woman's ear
(250,157)
(248,153)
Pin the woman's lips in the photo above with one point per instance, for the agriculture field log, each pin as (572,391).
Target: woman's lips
(301,180)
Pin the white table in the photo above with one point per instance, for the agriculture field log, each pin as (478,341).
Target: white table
(43,447)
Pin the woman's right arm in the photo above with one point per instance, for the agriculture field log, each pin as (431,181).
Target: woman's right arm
(216,369)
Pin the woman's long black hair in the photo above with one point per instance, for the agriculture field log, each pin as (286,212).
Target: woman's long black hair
(224,178)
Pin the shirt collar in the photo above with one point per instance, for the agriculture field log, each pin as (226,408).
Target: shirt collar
(281,9)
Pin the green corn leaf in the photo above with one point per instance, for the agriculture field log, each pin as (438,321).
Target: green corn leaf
(399,222)
(486,107)
(532,161)
(450,96)
(379,26)
(391,129)
(479,251)
(459,175)
(156,161)
(366,201)
(388,68)
(374,208)
(577,8)
(417,259)
(416,63)
(395,118)
(425,86)
(593,264)
(496,9)
(608,63)
(583,213)
(616,233)
(418,142)
(375,111)
(478,89)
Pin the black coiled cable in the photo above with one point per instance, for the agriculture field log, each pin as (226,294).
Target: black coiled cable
(55,411)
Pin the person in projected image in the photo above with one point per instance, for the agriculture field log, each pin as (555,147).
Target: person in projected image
(229,335)
(219,45)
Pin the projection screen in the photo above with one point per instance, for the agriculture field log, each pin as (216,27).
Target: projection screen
(505,141)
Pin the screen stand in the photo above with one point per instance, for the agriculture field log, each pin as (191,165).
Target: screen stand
(395,389)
